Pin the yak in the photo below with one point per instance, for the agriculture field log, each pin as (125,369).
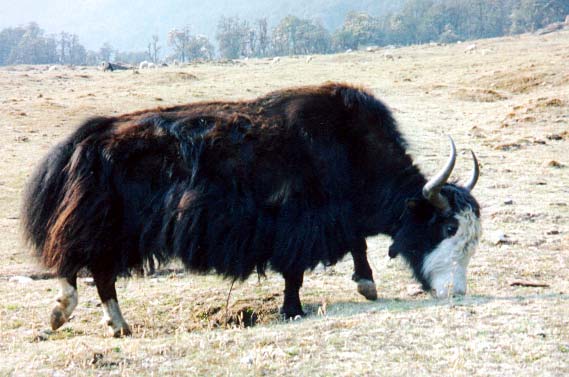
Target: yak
(287,181)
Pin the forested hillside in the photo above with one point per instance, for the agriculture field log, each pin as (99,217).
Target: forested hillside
(222,29)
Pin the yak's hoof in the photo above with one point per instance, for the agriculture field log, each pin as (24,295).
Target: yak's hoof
(367,289)
(120,332)
(57,318)
(292,314)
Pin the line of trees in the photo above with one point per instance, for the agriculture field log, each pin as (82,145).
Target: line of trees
(419,21)
(30,45)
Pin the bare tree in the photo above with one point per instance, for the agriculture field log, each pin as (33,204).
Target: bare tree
(263,40)
(199,48)
(105,52)
(64,39)
(179,39)
(233,36)
(77,53)
(153,49)
(189,47)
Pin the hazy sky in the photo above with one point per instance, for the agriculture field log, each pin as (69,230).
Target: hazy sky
(128,25)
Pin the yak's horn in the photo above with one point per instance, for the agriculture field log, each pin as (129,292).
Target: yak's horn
(475,174)
(432,189)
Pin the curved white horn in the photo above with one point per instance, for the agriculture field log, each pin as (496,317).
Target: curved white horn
(432,189)
(475,174)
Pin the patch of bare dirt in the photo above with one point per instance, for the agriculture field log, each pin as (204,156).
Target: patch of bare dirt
(242,313)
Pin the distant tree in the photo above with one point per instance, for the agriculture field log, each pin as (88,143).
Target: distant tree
(235,38)
(179,40)
(64,39)
(189,47)
(437,26)
(359,29)
(238,38)
(70,51)
(530,15)
(106,52)
(412,26)
(92,58)
(484,18)
(34,48)
(296,36)
(421,21)
(153,49)
(200,48)
(77,53)
(317,39)
(502,17)
(263,40)
(9,40)
(250,42)
(448,35)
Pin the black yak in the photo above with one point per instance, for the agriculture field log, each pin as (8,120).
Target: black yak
(286,181)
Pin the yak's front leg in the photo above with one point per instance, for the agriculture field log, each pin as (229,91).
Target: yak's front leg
(112,315)
(291,305)
(66,302)
(362,271)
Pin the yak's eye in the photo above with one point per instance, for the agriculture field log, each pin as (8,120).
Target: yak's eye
(450,229)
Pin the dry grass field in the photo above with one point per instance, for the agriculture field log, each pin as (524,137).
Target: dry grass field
(508,101)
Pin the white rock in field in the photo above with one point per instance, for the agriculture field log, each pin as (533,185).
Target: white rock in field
(42,335)
(21,279)
(498,237)
(415,290)
(89,281)
(247,360)
(470,48)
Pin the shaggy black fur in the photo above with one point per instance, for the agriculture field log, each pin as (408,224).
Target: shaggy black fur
(286,181)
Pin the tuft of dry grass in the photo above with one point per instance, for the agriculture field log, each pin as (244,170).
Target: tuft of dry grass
(479,95)
(517,82)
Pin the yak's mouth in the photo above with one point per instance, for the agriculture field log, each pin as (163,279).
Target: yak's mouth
(447,282)
(449,292)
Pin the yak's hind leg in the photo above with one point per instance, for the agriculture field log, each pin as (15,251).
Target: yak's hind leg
(66,302)
(112,315)
(291,305)
(362,271)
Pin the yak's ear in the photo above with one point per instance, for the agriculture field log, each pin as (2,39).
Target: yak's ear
(392,252)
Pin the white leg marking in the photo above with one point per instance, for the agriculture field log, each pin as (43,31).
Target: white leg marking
(66,303)
(445,267)
(113,318)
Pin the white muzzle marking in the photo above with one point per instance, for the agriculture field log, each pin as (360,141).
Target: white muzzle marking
(445,267)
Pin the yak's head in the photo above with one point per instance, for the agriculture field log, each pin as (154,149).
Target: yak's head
(439,232)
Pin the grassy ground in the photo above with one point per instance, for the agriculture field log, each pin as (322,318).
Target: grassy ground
(508,101)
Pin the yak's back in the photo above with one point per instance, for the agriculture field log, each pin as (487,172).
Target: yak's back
(230,186)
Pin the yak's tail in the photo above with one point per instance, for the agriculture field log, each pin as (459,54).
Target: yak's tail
(51,213)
